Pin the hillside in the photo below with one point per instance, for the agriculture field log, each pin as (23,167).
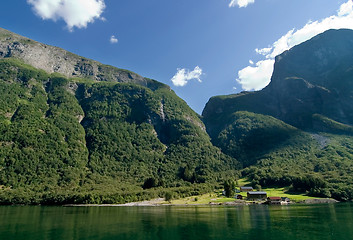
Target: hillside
(296,131)
(73,130)
(97,137)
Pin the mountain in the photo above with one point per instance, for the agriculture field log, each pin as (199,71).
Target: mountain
(311,78)
(56,60)
(73,130)
(300,126)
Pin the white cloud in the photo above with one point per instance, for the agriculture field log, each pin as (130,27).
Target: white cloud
(346,8)
(113,39)
(256,78)
(183,76)
(75,13)
(263,51)
(240,3)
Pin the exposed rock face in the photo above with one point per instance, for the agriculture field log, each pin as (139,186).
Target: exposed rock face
(315,77)
(54,59)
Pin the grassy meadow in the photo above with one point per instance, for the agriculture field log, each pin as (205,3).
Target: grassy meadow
(217,197)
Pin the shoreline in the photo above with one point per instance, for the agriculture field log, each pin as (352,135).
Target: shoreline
(159,202)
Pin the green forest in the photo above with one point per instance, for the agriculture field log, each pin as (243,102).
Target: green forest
(99,134)
(80,141)
(275,154)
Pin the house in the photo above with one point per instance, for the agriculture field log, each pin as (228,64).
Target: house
(256,196)
(274,200)
(246,189)
(278,200)
(285,201)
(238,196)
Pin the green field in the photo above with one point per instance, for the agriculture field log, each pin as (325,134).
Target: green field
(275,191)
(217,197)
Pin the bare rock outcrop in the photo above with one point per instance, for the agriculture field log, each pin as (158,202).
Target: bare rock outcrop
(53,59)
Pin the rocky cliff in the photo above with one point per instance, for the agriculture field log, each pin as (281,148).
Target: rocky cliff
(56,60)
(310,80)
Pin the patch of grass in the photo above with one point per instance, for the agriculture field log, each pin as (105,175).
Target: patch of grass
(243,182)
(284,192)
(276,191)
(201,199)
(217,197)
(223,200)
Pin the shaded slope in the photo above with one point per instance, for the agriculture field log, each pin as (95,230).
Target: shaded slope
(314,77)
(298,130)
(249,137)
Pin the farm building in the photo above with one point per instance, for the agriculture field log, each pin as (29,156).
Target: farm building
(257,195)
(246,189)
(274,200)
(238,196)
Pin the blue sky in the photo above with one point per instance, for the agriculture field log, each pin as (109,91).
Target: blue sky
(208,46)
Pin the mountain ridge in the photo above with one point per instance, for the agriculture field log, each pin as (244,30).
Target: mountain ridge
(57,60)
(299,87)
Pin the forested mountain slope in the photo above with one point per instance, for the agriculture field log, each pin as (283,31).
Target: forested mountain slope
(73,130)
(102,138)
(298,130)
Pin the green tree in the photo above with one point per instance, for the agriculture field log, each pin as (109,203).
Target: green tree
(168,196)
(150,183)
(229,187)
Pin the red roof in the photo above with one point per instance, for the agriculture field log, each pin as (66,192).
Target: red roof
(275,198)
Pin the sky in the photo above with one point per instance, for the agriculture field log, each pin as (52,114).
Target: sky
(201,48)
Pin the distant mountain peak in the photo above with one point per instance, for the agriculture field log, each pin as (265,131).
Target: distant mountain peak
(315,58)
(314,77)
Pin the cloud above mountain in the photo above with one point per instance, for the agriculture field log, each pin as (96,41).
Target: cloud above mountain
(240,3)
(75,13)
(255,77)
(183,76)
(258,76)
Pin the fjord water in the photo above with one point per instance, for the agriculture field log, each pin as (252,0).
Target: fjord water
(333,221)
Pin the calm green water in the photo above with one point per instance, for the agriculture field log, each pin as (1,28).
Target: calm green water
(198,222)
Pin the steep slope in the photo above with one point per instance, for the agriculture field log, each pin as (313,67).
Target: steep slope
(56,60)
(75,140)
(63,135)
(251,136)
(296,131)
(311,78)
(42,141)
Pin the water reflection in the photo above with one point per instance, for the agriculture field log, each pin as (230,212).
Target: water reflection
(192,222)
